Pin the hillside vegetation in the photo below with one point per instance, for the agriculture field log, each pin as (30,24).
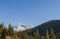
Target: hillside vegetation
(48,30)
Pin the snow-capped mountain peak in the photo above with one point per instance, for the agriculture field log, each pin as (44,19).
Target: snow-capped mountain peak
(21,27)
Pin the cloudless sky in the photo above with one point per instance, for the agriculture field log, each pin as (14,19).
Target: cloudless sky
(29,12)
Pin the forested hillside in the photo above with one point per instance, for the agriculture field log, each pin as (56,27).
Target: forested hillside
(49,32)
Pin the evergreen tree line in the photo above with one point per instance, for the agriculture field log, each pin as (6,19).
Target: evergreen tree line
(24,35)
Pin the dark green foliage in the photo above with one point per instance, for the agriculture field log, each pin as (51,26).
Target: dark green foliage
(10,30)
(49,33)
(52,34)
(20,34)
(55,24)
(36,35)
(4,33)
(26,36)
(1,30)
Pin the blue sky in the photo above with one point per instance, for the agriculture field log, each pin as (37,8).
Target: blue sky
(29,12)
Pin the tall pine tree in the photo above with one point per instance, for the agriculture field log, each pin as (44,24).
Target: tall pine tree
(1,30)
(36,35)
(52,34)
(4,33)
(26,36)
(47,34)
(10,30)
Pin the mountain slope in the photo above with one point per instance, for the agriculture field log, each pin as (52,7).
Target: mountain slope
(55,24)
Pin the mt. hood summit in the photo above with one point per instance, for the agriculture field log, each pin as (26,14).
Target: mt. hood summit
(21,27)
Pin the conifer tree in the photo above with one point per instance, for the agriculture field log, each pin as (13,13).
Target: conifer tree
(4,33)
(10,30)
(36,35)
(1,30)
(26,36)
(1,27)
(47,34)
(52,34)
(20,34)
